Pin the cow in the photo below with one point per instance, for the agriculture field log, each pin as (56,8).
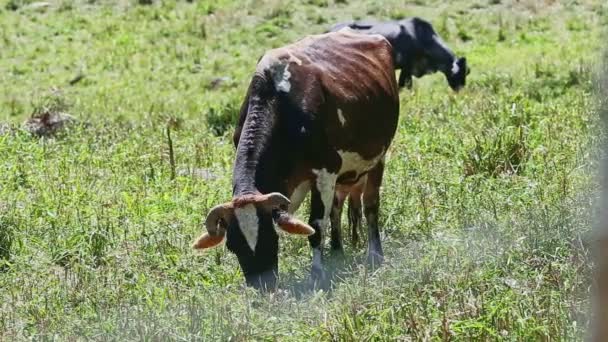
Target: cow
(319,113)
(418,49)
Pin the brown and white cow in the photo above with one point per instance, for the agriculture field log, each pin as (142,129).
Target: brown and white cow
(418,50)
(319,114)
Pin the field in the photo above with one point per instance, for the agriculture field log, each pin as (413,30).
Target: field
(487,202)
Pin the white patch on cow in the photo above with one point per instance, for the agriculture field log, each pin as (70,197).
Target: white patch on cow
(326,184)
(341,117)
(298,195)
(353,161)
(281,77)
(249,224)
(279,70)
(455,68)
(302,130)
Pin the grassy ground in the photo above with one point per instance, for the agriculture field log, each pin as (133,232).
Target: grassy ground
(486,206)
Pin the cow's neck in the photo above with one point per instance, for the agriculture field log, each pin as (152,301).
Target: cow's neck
(442,56)
(255,166)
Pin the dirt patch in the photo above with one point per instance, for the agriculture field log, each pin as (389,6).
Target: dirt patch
(5,129)
(204,174)
(48,123)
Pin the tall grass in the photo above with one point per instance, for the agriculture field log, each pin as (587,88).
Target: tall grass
(486,205)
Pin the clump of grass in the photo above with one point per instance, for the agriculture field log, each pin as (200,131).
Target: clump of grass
(318,3)
(15,105)
(13,5)
(277,19)
(279,12)
(66,6)
(462,32)
(576,24)
(203,30)
(442,28)
(501,29)
(220,118)
(550,81)
(320,20)
(206,7)
(7,238)
(397,13)
(495,82)
(502,153)
(98,245)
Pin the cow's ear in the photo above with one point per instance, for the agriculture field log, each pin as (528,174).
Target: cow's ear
(208,241)
(462,64)
(292,225)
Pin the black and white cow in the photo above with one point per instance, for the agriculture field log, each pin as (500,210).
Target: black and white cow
(318,114)
(418,49)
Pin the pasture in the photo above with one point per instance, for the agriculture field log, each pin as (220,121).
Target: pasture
(487,200)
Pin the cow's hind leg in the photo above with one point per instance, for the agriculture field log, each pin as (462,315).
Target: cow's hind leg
(354,210)
(335,217)
(371,204)
(321,200)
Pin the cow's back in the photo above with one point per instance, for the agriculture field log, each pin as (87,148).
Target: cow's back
(344,80)
(351,66)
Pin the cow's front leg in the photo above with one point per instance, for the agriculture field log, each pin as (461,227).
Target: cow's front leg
(371,207)
(405,79)
(321,199)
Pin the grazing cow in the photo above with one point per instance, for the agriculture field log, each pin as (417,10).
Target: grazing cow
(418,49)
(319,113)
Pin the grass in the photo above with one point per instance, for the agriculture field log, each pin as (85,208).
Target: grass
(486,206)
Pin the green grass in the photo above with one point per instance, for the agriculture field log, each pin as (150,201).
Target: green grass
(487,199)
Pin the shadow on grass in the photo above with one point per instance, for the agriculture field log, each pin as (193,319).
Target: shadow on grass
(338,267)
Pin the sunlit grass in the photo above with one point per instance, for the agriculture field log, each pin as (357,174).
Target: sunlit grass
(485,206)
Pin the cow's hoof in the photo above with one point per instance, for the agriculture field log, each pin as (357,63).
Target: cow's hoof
(318,277)
(337,250)
(374,259)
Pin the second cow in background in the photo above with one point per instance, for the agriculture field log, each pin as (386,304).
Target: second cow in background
(417,48)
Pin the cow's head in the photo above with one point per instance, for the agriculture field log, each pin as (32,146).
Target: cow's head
(247,225)
(457,73)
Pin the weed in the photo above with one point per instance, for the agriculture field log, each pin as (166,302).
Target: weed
(221,118)
(501,30)
(7,237)
(493,154)
(318,3)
